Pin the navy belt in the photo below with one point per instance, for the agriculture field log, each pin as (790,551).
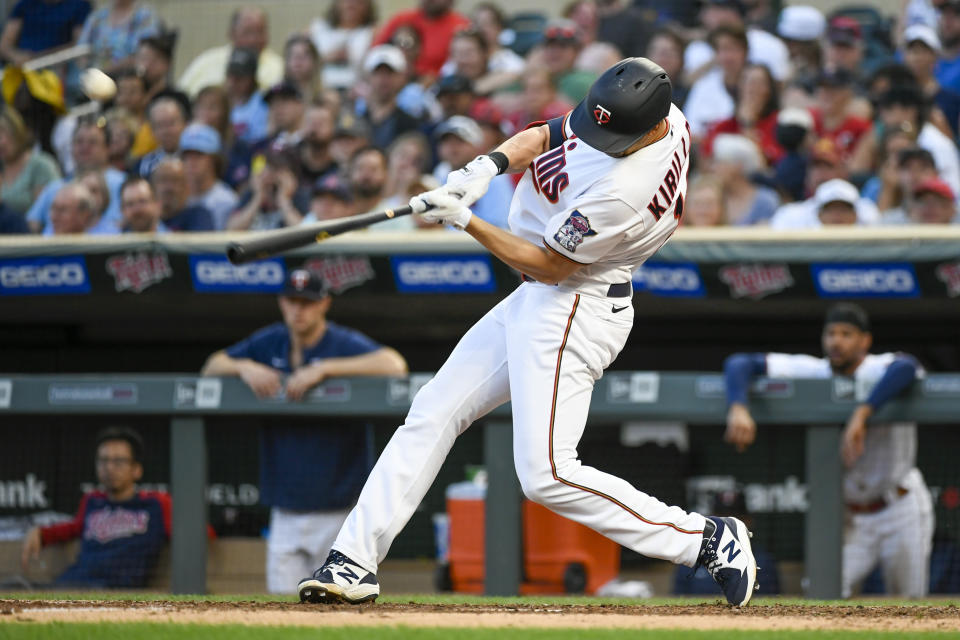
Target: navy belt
(617,290)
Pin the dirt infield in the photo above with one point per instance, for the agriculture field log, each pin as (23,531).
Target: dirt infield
(701,616)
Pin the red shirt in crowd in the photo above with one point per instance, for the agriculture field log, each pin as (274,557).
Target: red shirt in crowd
(845,136)
(766,128)
(435,34)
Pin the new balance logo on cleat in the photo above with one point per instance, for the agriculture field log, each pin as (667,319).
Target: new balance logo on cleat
(727,555)
(339,579)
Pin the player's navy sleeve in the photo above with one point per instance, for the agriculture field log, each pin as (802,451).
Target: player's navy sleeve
(738,370)
(350,342)
(557,128)
(898,376)
(259,345)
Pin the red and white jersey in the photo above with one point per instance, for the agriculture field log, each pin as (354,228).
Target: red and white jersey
(607,213)
(890,449)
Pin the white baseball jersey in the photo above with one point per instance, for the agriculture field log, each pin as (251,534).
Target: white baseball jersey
(608,213)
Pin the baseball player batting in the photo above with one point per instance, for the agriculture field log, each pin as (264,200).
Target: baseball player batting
(602,190)
(889,510)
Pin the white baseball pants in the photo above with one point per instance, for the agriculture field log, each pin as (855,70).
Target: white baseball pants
(543,348)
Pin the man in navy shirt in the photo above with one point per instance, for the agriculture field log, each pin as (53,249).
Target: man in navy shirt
(310,476)
(122,529)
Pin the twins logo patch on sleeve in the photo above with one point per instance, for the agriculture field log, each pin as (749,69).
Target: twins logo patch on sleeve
(573,231)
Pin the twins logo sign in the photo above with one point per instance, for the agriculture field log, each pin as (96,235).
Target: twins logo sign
(573,231)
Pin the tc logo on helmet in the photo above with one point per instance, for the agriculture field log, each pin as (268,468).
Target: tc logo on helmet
(601,114)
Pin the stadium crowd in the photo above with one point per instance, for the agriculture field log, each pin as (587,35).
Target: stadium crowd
(800,119)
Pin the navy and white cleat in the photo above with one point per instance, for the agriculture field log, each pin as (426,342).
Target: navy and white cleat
(339,579)
(727,555)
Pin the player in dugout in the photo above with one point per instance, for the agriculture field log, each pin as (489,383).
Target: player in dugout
(889,510)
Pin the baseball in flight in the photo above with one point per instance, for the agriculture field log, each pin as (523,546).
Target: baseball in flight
(97,85)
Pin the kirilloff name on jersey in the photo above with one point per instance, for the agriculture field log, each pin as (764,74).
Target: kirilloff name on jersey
(549,178)
(573,231)
(112,524)
(669,184)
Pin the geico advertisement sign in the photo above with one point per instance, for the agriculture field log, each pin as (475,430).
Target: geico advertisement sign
(215,274)
(435,274)
(44,276)
(865,280)
(676,280)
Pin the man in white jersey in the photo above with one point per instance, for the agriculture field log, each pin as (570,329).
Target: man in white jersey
(888,506)
(602,190)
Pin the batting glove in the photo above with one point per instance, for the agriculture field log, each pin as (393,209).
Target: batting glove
(472,181)
(442,207)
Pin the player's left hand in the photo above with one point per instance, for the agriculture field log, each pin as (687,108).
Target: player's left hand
(854,435)
(304,379)
(442,207)
(472,181)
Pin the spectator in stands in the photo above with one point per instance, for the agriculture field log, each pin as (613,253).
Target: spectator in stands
(201,152)
(314,154)
(832,114)
(286,108)
(665,48)
(24,170)
(212,108)
(625,26)
(436,18)
(496,127)
(704,204)
(948,67)
(249,31)
(35,28)
(455,95)
(270,202)
(73,210)
(415,98)
(458,142)
(583,15)
(12,223)
(249,114)
(913,166)
(540,99)
(132,98)
(331,199)
(558,54)
(408,158)
(756,107)
(711,97)
(153,60)
(367,178)
(802,27)
(302,65)
(169,181)
(762,47)
(122,529)
(470,57)
(386,68)
(884,187)
(89,149)
(736,159)
(835,201)
(794,125)
(123,130)
(933,203)
(845,47)
(921,53)
(489,19)
(140,207)
(308,498)
(114,31)
(343,38)
(350,134)
(168,118)
(96,185)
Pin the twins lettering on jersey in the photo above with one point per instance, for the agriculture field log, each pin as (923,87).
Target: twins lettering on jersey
(573,231)
(670,183)
(112,524)
(549,178)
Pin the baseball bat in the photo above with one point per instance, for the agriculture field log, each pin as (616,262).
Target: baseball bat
(274,242)
(57,57)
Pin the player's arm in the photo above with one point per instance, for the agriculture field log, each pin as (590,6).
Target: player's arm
(382,362)
(739,370)
(899,375)
(264,381)
(540,263)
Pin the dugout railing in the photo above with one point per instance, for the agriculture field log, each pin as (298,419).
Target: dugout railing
(819,406)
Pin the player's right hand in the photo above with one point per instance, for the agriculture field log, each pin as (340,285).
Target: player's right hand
(741,429)
(264,381)
(32,543)
(471,182)
(442,207)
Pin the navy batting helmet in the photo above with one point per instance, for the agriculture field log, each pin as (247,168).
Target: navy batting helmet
(623,104)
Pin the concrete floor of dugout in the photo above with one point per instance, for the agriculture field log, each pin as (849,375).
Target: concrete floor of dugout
(236,565)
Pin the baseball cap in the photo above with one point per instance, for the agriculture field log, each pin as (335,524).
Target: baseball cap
(935,186)
(303,283)
(201,138)
(332,185)
(461,126)
(385,54)
(454,83)
(283,90)
(562,31)
(848,313)
(844,30)
(915,153)
(349,125)
(922,33)
(801,22)
(825,150)
(836,190)
(242,62)
(839,78)
(795,117)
